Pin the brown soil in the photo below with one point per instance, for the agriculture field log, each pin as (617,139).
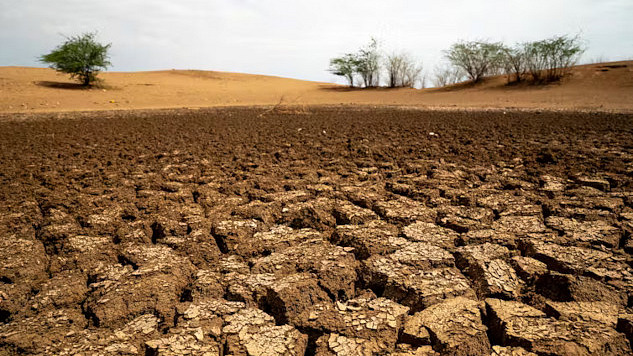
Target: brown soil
(596,87)
(321,231)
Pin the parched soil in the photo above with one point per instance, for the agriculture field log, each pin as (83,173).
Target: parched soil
(325,231)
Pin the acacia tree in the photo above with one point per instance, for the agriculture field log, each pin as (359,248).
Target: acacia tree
(80,56)
(552,58)
(402,71)
(515,62)
(368,64)
(476,58)
(344,66)
(365,63)
(444,75)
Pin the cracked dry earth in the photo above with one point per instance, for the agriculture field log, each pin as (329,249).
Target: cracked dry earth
(332,231)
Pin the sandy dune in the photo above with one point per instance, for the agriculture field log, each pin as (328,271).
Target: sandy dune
(605,87)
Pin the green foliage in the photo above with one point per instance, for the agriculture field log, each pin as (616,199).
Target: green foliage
(368,64)
(515,63)
(365,62)
(539,61)
(344,66)
(476,58)
(80,56)
(551,59)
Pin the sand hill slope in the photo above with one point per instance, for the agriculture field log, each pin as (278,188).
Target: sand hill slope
(604,87)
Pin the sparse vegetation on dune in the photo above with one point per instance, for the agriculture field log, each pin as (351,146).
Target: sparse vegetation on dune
(542,61)
(444,75)
(603,87)
(369,62)
(477,59)
(402,71)
(365,63)
(551,59)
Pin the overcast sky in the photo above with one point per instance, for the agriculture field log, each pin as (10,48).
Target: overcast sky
(295,38)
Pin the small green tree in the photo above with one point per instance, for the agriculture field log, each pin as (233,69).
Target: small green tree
(344,66)
(80,56)
(476,58)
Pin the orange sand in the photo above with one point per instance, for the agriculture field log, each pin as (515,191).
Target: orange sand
(590,87)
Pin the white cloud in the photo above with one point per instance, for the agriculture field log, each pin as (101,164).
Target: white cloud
(297,38)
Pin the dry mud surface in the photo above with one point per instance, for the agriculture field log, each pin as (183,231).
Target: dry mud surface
(328,231)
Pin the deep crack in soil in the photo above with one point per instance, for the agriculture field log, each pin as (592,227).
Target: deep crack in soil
(340,231)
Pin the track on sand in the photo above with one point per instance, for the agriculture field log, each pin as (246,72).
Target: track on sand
(319,231)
